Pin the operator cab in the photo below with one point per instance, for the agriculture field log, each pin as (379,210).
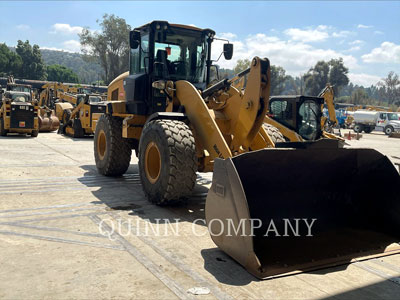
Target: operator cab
(299,113)
(19,88)
(18,97)
(162,52)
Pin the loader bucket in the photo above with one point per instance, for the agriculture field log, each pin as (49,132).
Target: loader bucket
(48,123)
(282,211)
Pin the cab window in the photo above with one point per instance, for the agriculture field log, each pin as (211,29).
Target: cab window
(308,120)
(144,54)
(282,111)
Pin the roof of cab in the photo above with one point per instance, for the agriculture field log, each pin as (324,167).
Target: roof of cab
(189,27)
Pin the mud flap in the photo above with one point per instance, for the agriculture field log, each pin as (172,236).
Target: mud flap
(280,211)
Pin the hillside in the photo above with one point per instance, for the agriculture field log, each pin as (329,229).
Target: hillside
(87,72)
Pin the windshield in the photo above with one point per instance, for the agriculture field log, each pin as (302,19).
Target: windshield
(21,88)
(94,99)
(20,98)
(180,57)
(393,117)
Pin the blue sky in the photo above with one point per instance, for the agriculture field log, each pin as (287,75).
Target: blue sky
(294,35)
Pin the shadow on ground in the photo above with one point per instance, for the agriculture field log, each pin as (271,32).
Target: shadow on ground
(125,193)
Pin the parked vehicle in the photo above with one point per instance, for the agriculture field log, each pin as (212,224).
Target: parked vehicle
(367,121)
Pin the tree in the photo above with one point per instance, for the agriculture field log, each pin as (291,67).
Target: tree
(338,74)
(110,47)
(278,78)
(10,62)
(317,78)
(241,65)
(333,72)
(32,63)
(359,96)
(391,88)
(61,74)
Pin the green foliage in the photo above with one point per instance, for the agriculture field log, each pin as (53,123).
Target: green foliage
(87,71)
(32,64)
(278,79)
(391,88)
(338,74)
(61,74)
(333,72)
(110,47)
(241,65)
(317,78)
(10,62)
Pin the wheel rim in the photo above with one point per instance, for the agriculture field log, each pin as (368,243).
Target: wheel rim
(101,144)
(388,130)
(152,162)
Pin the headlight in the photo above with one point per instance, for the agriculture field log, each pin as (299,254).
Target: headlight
(159,84)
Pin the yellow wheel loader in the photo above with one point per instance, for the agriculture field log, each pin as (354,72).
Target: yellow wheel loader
(177,125)
(18,113)
(79,113)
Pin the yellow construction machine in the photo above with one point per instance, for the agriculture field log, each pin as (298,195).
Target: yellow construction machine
(178,125)
(282,114)
(79,113)
(18,110)
(47,97)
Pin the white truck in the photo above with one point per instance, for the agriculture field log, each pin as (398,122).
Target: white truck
(365,120)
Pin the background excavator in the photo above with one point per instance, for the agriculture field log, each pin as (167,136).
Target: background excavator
(178,125)
(48,121)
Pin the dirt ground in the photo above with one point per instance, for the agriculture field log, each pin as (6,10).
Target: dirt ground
(56,214)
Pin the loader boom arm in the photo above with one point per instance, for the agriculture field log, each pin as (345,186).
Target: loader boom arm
(242,113)
(328,95)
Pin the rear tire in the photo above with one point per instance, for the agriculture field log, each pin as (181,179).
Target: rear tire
(35,133)
(367,129)
(3,132)
(167,161)
(388,130)
(112,152)
(358,128)
(274,133)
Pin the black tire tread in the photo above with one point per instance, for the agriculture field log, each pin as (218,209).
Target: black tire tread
(182,160)
(388,126)
(119,154)
(3,132)
(274,133)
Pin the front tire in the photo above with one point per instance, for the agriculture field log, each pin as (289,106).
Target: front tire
(3,132)
(167,161)
(388,130)
(78,130)
(112,152)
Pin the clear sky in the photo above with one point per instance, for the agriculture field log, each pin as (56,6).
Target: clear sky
(292,34)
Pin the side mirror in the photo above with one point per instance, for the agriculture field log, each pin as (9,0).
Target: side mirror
(228,51)
(134,39)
